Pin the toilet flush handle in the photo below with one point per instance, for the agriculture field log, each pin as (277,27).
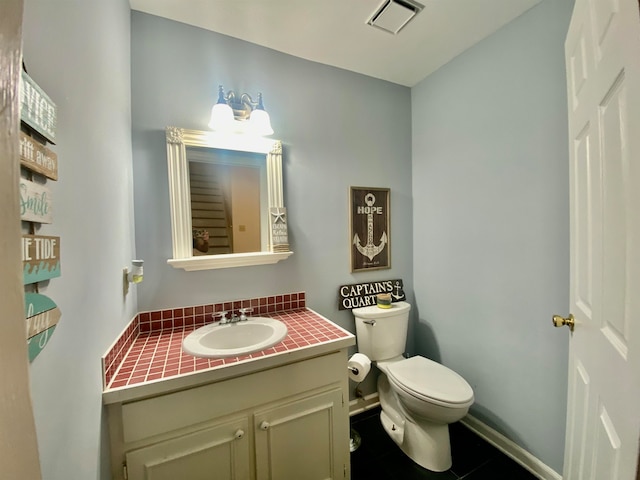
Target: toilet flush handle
(370,322)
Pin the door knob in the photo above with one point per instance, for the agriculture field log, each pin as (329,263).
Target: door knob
(559,321)
(264,425)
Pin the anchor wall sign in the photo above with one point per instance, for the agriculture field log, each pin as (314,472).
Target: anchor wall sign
(369,236)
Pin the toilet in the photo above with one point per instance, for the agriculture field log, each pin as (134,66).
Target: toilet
(419,397)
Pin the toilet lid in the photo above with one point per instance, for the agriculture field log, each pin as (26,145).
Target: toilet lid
(426,379)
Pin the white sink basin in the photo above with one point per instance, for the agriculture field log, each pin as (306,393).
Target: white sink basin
(233,339)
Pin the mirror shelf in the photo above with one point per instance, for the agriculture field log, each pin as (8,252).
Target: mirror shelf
(178,139)
(209,262)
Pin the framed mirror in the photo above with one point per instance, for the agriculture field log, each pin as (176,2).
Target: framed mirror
(222,188)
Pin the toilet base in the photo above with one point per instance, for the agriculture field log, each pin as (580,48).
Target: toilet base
(426,443)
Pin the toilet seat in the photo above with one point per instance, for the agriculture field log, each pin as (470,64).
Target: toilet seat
(430,381)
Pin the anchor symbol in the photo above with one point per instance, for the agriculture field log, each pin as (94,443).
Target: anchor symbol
(370,250)
(398,289)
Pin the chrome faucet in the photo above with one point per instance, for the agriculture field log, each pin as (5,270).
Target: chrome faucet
(223,317)
(234,318)
(243,313)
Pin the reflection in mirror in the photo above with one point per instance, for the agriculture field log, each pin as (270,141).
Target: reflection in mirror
(229,201)
(241,174)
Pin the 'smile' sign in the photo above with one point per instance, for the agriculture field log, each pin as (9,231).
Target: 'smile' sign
(35,202)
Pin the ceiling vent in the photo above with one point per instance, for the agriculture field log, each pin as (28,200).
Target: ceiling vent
(393,15)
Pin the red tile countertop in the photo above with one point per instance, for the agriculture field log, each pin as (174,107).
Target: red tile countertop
(142,356)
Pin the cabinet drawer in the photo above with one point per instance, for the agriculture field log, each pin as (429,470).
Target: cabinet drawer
(165,413)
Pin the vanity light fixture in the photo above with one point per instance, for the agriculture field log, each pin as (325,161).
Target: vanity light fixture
(240,114)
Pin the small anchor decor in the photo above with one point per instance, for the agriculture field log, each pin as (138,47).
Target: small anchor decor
(369,228)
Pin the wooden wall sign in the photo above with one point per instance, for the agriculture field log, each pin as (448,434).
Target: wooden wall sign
(38,158)
(40,258)
(41,313)
(40,254)
(364,294)
(279,234)
(42,316)
(37,343)
(369,236)
(36,108)
(35,202)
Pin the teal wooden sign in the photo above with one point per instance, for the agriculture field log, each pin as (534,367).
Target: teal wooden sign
(36,344)
(42,316)
(37,110)
(41,313)
(40,258)
(35,303)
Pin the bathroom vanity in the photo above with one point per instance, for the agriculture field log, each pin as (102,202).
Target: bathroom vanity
(281,414)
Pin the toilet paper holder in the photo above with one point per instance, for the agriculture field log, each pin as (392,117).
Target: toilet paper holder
(358,367)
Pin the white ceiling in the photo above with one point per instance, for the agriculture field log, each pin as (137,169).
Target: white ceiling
(334,32)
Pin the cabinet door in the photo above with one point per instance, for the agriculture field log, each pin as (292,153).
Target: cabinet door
(220,452)
(306,439)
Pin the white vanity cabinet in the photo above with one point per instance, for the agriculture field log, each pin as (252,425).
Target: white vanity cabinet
(220,452)
(285,422)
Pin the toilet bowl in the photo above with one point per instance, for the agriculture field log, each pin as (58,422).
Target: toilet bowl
(419,397)
(425,397)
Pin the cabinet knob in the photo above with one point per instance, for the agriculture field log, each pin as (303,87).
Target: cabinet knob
(239,433)
(264,425)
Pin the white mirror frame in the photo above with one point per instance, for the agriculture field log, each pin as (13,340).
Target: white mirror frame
(178,139)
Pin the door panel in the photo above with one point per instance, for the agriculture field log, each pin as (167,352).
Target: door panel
(302,440)
(216,453)
(603,411)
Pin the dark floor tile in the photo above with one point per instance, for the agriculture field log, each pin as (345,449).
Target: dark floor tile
(500,468)
(375,440)
(367,469)
(468,450)
(398,466)
(379,458)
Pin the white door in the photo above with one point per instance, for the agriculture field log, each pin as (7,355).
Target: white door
(602,54)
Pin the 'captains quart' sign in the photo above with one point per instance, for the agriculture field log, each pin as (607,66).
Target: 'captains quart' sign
(364,294)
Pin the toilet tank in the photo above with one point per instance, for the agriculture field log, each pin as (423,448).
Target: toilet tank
(388,337)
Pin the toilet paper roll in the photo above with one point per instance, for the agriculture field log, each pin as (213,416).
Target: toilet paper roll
(359,366)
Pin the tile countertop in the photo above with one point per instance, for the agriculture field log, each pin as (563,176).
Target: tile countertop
(155,363)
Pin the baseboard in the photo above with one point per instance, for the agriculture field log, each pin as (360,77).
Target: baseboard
(511,449)
(363,404)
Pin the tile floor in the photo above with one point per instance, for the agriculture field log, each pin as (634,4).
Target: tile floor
(379,458)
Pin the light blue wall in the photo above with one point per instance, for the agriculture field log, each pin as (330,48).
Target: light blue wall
(338,128)
(491,225)
(78,52)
